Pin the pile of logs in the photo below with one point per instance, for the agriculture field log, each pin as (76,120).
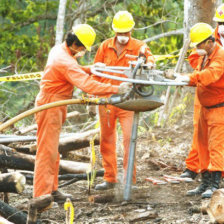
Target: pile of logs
(22,158)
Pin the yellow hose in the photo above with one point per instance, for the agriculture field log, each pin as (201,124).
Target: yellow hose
(47,106)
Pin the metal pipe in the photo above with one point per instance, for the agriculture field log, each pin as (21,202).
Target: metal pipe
(131,157)
(137,81)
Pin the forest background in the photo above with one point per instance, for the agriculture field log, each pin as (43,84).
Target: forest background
(27,33)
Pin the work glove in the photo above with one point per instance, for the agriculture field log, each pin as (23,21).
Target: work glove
(92,110)
(182,78)
(124,87)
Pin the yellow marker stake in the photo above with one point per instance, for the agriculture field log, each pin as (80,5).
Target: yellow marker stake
(70,213)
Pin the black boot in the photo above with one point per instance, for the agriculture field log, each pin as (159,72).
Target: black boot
(189,174)
(215,180)
(206,179)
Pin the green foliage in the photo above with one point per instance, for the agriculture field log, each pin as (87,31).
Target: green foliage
(27,32)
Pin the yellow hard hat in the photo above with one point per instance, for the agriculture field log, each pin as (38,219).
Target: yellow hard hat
(200,32)
(123,22)
(219,14)
(85,34)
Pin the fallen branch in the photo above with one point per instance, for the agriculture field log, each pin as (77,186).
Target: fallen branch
(171,33)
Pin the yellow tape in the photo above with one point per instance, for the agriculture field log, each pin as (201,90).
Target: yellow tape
(21,77)
(37,75)
(163,57)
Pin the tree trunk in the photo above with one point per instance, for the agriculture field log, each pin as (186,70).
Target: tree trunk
(60,22)
(12,182)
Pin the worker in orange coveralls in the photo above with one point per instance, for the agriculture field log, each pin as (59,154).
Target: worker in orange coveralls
(61,74)
(192,161)
(209,80)
(115,52)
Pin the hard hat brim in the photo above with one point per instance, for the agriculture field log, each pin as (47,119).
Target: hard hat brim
(117,30)
(217,19)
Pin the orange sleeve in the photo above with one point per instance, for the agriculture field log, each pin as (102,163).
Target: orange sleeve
(99,57)
(210,74)
(76,76)
(194,59)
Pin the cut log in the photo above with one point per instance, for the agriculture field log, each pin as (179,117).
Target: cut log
(12,182)
(36,205)
(14,160)
(66,144)
(215,208)
(12,214)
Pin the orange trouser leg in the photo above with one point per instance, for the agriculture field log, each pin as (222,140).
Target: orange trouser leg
(108,142)
(212,123)
(126,121)
(47,158)
(192,161)
(108,139)
(215,121)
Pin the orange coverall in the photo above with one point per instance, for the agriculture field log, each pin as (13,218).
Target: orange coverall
(192,161)
(210,84)
(107,54)
(61,74)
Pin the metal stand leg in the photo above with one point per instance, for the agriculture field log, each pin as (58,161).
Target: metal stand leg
(131,157)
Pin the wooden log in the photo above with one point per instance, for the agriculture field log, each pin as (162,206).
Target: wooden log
(14,160)
(215,208)
(66,144)
(4,221)
(11,214)
(12,182)
(36,205)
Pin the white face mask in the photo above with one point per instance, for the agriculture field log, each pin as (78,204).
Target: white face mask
(122,39)
(201,52)
(221,29)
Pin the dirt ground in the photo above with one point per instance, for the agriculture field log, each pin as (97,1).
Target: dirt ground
(159,152)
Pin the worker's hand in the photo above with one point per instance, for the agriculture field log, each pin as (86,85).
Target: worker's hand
(92,110)
(99,65)
(124,87)
(182,78)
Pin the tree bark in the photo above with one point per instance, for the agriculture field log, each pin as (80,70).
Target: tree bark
(12,182)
